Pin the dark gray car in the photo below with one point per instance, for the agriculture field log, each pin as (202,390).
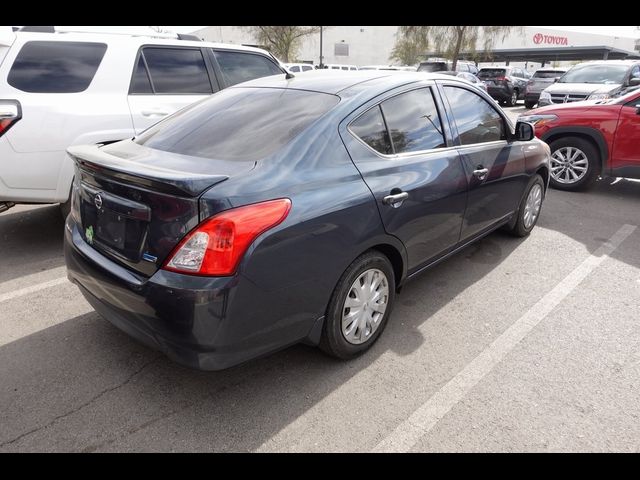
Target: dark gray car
(286,210)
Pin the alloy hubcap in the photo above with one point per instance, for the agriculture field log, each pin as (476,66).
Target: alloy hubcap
(514,98)
(364,306)
(532,206)
(569,165)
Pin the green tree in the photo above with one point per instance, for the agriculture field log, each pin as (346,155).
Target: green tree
(451,40)
(408,50)
(283,42)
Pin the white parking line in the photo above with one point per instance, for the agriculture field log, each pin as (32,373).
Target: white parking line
(33,288)
(409,432)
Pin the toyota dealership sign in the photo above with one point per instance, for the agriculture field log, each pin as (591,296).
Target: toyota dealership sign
(540,39)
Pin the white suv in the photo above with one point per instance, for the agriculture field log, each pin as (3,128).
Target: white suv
(59,89)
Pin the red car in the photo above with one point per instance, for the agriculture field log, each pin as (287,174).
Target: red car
(590,139)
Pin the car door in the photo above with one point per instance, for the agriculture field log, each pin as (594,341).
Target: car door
(166,79)
(625,159)
(236,66)
(401,147)
(493,162)
(520,81)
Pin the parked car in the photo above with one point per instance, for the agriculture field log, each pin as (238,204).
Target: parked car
(337,66)
(590,139)
(298,67)
(75,88)
(283,211)
(596,80)
(469,77)
(388,67)
(505,84)
(439,66)
(541,79)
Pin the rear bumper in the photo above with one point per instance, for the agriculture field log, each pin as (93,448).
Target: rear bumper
(532,97)
(193,320)
(500,93)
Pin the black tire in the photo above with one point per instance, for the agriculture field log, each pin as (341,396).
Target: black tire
(529,105)
(519,228)
(592,156)
(513,99)
(333,341)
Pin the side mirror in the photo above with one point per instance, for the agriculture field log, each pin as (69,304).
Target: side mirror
(634,82)
(524,132)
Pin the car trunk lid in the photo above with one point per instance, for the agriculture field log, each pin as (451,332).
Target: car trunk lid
(134,204)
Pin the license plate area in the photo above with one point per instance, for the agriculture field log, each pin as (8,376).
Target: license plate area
(113,224)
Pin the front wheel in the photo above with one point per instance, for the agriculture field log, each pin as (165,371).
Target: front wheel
(529,209)
(529,105)
(575,163)
(360,306)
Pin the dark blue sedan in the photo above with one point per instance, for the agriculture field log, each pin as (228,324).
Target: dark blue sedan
(291,210)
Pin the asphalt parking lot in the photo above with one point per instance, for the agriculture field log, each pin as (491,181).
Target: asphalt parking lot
(513,345)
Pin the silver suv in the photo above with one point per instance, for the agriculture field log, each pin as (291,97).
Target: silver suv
(596,80)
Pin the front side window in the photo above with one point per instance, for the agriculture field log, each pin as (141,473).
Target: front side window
(306,68)
(370,128)
(476,119)
(244,124)
(56,67)
(413,121)
(240,67)
(177,70)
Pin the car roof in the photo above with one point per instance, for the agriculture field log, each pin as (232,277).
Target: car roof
(326,81)
(610,62)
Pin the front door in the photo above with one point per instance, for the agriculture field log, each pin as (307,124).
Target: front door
(400,148)
(625,159)
(494,165)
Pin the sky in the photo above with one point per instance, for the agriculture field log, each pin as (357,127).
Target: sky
(620,31)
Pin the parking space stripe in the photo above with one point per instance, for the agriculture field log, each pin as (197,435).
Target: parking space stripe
(409,432)
(33,288)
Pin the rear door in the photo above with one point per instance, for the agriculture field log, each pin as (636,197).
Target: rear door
(400,147)
(166,79)
(494,165)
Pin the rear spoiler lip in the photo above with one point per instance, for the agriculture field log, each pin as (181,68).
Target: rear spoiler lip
(172,182)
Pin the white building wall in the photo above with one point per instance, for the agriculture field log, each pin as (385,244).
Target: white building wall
(372,45)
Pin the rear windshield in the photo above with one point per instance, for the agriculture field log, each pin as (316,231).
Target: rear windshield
(432,67)
(244,124)
(547,74)
(491,72)
(56,67)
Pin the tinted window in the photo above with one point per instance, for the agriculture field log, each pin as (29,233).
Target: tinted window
(371,129)
(477,120)
(177,70)
(635,72)
(413,121)
(306,68)
(239,123)
(241,67)
(491,73)
(547,74)
(56,67)
(433,67)
(140,82)
(294,69)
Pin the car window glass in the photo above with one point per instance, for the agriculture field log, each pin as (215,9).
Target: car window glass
(635,72)
(55,67)
(294,69)
(306,68)
(240,67)
(244,124)
(413,121)
(476,119)
(140,82)
(177,70)
(370,128)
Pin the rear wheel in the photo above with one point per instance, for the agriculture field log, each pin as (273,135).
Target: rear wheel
(360,306)
(529,105)
(575,163)
(513,99)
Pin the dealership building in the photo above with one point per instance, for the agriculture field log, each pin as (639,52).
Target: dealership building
(372,45)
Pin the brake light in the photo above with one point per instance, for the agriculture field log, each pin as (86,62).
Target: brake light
(216,246)
(501,79)
(10,113)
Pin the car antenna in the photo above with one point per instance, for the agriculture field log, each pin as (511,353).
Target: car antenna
(289,76)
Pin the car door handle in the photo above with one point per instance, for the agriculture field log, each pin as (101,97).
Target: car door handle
(396,199)
(154,113)
(481,173)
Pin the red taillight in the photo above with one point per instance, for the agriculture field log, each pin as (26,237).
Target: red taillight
(10,113)
(501,79)
(216,246)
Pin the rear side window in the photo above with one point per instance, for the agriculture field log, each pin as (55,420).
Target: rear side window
(174,71)
(244,124)
(370,128)
(56,67)
(240,67)
(476,119)
(306,68)
(547,74)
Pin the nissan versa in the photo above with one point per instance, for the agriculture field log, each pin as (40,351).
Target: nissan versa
(292,210)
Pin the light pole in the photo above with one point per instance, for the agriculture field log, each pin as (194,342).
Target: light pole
(321,65)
